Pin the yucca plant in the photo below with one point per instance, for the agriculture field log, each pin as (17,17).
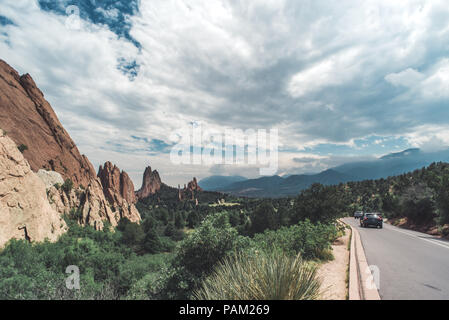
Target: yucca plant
(261,276)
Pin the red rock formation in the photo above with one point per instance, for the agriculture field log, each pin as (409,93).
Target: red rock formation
(119,191)
(30,120)
(193,185)
(151,183)
(117,185)
(189,190)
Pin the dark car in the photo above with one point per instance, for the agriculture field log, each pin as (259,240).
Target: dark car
(371,219)
(358,214)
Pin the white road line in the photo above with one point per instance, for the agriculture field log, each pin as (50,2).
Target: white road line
(415,236)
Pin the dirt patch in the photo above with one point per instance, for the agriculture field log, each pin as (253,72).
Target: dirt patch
(333,274)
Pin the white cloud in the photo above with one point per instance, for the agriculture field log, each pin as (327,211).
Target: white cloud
(431,85)
(334,70)
(429,137)
(437,84)
(406,78)
(319,71)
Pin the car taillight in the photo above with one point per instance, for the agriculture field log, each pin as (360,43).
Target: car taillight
(365,218)
(380,218)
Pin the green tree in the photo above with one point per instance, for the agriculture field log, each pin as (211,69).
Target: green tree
(283,217)
(208,244)
(133,235)
(263,218)
(442,196)
(193,219)
(67,186)
(22,148)
(318,203)
(179,220)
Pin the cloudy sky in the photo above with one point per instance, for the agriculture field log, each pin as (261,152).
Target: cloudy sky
(340,80)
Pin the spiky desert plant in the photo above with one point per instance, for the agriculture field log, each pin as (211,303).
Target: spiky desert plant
(261,276)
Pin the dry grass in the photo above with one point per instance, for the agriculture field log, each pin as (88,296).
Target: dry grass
(261,276)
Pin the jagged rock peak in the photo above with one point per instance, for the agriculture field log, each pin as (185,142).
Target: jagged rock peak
(151,183)
(193,185)
(117,185)
(189,190)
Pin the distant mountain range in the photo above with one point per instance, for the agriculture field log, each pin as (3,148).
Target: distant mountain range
(214,183)
(275,186)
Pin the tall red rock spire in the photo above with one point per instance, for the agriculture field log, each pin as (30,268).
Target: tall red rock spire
(151,183)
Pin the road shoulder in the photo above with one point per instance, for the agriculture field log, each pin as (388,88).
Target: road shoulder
(361,280)
(333,274)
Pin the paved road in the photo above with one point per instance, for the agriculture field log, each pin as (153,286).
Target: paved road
(412,265)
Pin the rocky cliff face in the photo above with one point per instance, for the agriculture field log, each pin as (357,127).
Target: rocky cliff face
(25,212)
(29,120)
(31,123)
(117,185)
(119,191)
(150,185)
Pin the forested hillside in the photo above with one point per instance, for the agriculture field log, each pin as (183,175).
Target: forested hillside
(419,199)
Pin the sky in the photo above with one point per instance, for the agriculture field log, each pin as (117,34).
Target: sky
(340,80)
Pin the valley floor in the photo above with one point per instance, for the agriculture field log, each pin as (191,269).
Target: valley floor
(333,274)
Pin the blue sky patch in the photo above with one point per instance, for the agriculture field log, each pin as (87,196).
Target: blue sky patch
(4,21)
(114,14)
(128,68)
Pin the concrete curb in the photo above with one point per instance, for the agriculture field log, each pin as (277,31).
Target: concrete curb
(361,286)
(354,283)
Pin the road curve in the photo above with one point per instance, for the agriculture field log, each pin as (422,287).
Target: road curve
(412,265)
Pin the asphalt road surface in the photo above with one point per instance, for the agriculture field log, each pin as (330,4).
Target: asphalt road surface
(412,265)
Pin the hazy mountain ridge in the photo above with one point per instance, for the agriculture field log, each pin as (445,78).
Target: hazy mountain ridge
(217,182)
(392,164)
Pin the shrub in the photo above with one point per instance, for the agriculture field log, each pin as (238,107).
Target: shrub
(67,186)
(169,230)
(318,203)
(179,220)
(417,205)
(263,218)
(442,197)
(313,241)
(22,147)
(261,276)
(152,242)
(199,252)
(75,214)
(138,267)
(420,212)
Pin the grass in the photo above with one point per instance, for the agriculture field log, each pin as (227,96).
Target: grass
(226,204)
(347,269)
(261,276)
